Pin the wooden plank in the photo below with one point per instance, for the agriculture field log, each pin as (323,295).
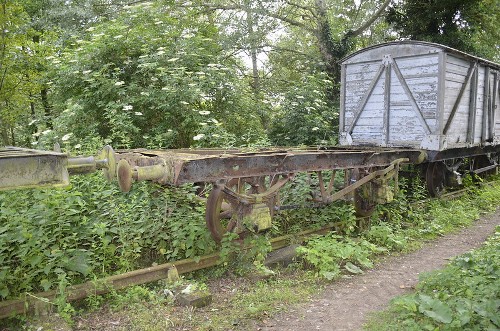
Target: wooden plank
(407,90)
(366,97)
(387,103)
(493,107)
(485,128)
(343,87)
(471,127)
(472,69)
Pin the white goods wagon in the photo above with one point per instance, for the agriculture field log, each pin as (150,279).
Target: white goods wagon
(419,95)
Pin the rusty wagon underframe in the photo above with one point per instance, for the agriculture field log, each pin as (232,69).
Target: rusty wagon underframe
(245,184)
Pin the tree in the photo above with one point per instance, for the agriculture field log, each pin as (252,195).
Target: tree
(470,25)
(333,23)
(304,41)
(19,77)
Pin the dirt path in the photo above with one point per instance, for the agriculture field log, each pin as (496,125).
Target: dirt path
(345,305)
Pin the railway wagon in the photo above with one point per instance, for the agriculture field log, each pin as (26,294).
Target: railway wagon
(401,102)
(427,96)
(419,95)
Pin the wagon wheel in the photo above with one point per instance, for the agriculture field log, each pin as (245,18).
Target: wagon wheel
(364,205)
(435,178)
(224,212)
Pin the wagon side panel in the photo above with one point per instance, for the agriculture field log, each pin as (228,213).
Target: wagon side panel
(413,100)
(495,106)
(458,84)
(390,96)
(364,102)
(469,104)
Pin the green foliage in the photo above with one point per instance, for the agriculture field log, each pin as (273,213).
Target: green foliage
(463,296)
(332,254)
(298,194)
(305,117)
(464,25)
(385,236)
(49,238)
(244,256)
(153,77)
(21,60)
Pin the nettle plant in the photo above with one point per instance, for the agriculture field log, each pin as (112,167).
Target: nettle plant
(53,237)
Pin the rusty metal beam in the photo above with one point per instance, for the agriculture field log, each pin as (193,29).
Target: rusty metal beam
(188,167)
(30,302)
(29,168)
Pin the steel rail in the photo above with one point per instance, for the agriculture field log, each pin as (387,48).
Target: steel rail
(40,301)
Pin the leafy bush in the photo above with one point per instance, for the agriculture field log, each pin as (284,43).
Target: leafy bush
(153,77)
(332,254)
(49,238)
(305,118)
(383,235)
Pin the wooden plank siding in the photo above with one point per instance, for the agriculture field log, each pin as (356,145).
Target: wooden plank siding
(418,95)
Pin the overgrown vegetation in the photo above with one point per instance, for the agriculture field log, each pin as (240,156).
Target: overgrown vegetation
(112,245)
(463,296)
(399,226)
(51,238)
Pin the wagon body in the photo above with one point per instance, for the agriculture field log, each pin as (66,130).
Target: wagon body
(21,167)
(419,95)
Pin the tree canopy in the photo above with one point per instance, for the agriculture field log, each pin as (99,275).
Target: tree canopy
(469,25)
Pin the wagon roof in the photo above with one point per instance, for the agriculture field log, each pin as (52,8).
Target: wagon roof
(424,43)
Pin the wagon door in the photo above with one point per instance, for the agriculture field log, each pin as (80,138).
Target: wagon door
(392,101)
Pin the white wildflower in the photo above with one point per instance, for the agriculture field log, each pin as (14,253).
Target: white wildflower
(128,107)
(77,146)
(204,112)
(66,136)
(199,136)
(315,128)
(138,113)
(120,83)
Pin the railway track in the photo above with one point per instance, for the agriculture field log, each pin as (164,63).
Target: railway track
(40,301)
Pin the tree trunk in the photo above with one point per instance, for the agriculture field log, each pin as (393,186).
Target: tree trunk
(253,52)
(46,107)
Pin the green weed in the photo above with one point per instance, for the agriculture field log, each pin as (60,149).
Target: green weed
(463,296)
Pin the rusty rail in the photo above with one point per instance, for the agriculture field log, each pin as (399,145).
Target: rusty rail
(32,302)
